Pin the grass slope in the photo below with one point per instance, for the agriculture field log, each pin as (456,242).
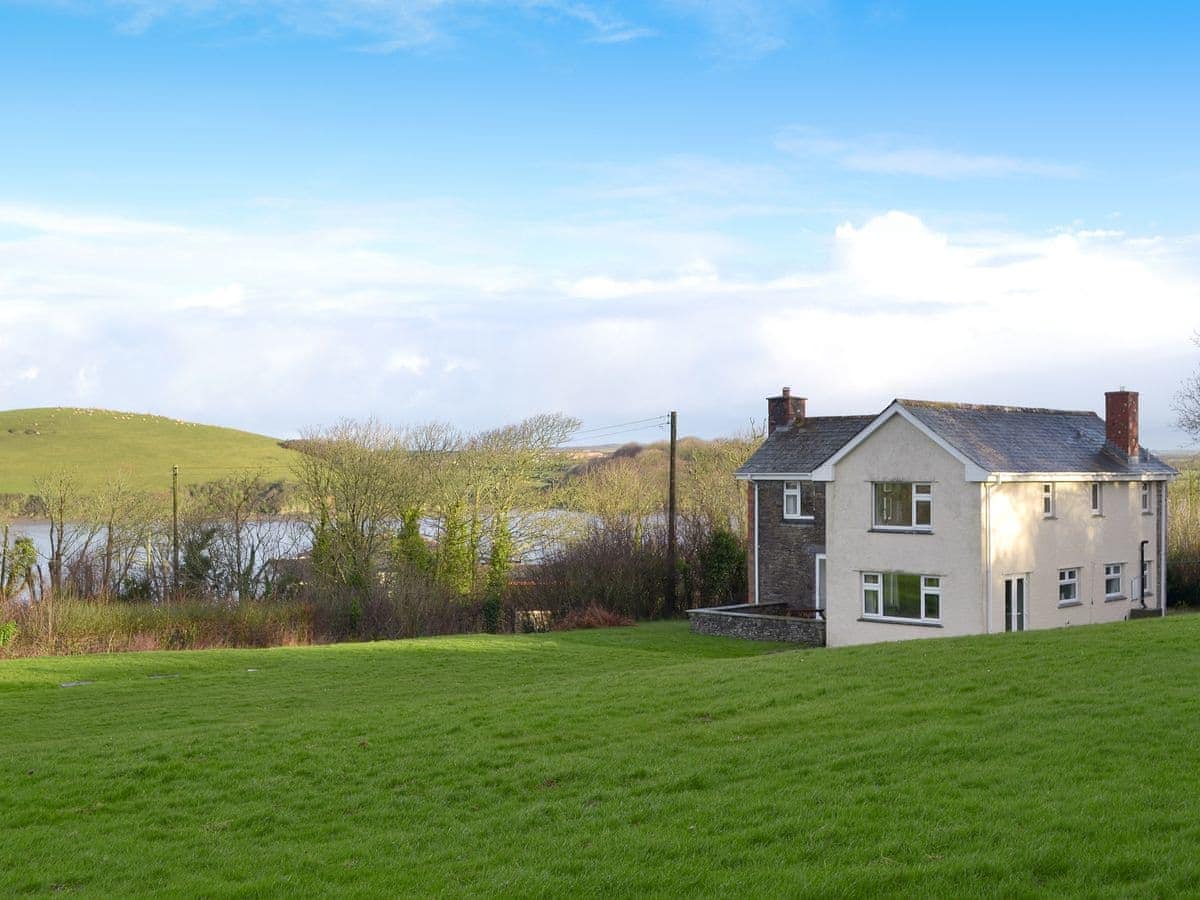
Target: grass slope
(631,761)
(98,443)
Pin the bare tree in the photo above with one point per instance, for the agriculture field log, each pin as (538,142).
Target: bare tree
(72,525)
(514,472)
(349,477)
(623,494)
(1187,402)
(709,492)
(244,538)
(124,518)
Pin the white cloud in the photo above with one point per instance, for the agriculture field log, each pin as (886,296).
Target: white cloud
(413,363)
(82,225)
(384,26)
(883,155)
(278,331)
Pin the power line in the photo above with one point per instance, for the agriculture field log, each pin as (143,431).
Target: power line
(596,439)
(651,420)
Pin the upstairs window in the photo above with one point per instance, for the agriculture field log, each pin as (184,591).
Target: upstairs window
(1097,498)
(903,505)
(1147,498)
(796,501)
(1113,575)
(1068,586)
(1048,500)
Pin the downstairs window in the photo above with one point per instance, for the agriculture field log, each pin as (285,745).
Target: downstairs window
(900,595)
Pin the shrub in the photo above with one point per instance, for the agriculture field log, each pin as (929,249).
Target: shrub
(613,568)
(590,616)
(403,603)
(1183,541)
(69,626)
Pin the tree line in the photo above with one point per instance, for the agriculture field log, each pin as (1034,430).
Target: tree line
(400,530)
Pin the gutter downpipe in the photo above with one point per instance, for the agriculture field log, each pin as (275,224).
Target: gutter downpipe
(1162,548)
(1142,573)
(756,518)
(987,624)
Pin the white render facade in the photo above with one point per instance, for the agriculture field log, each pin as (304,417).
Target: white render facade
(954,519)
(996,555)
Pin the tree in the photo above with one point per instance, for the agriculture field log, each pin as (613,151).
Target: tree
(1187,402)
(350,477)
(709,492)
(124,517)
(62,502)
(514,470)
(247,538)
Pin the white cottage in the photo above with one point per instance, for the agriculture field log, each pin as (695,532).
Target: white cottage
(951,519)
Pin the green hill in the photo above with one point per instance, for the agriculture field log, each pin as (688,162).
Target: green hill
(98,443)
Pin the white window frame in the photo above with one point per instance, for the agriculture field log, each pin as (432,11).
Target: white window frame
(925,496)
(872,582)
(1097,498)
(1111,571)
(1048,500)
(795,489)
(1147,579)
(1147,499)
(1069,578)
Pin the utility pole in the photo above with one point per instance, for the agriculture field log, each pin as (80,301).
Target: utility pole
(672,515)
(175,532)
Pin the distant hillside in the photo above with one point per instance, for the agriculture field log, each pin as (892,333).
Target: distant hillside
(100,442)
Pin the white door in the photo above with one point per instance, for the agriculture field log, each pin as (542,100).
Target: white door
(1016,604)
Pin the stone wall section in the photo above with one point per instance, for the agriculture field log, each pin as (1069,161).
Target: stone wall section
(787,548)
(749,622)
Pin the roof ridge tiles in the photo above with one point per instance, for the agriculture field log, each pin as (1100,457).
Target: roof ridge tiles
(993,407)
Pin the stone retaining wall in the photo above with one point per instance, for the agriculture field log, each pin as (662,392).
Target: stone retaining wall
(755,622)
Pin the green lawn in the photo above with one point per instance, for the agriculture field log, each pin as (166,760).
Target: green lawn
(97,443)
(632,761)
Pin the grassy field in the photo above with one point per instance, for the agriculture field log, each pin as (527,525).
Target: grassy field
(631,761)
(97,443)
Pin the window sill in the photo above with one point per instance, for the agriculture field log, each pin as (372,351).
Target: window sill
(1114,598)
(802,520)
(1147,512)
(889,620)
(1063,604)
(878,530)
(1049,518)
(1097,515)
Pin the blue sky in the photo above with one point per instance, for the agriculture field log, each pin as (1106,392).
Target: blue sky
(273,214)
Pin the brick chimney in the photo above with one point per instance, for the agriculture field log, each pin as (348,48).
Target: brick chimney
(783,410)
(1121,421)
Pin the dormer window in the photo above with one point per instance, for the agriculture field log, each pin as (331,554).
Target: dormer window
(796,503)
(903,506)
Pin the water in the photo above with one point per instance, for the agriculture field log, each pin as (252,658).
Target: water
(288,536)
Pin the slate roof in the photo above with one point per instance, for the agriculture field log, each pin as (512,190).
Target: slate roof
(1025,439)
(997,438)
(800,449)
